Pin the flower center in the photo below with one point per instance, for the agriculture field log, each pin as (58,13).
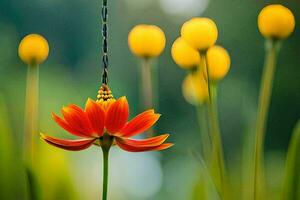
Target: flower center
(104,94)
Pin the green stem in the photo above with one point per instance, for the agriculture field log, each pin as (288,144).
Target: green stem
(217,149)
(147,83)
(105,172)
(31,127)
(265,93)
(147,90)
(205,139)
(31,113)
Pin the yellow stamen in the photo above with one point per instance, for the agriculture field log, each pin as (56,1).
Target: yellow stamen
(105,96)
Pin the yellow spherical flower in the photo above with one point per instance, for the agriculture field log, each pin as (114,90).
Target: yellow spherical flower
(146,41)
(200,33)
(218,61)
(195,89)
(33,49)
(184,55)
(276,21)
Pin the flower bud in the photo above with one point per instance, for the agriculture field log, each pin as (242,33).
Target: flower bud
(195,88)
(218,61)
(146,41)
(33,49)
(276,22)
(200,33)
(184,55)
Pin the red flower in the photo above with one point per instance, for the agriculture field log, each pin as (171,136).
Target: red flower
(105,123)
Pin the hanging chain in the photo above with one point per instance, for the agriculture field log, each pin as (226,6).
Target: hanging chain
(104,16)
(104,93)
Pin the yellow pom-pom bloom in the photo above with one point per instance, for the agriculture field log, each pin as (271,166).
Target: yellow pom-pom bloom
(276,21)
(195,89)
(33,49)
(200,33)
(184,55)
(218,61)
(146,41)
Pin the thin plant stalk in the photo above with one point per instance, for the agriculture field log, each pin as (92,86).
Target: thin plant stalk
(217,149)
(105,173)
(205,139)
(147,87)
(155,85)
(31,127)
(265,93)
(147,91)
(31,113)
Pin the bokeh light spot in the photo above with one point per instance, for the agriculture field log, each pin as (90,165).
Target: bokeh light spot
(186,8)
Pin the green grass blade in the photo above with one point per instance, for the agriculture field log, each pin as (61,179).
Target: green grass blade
(12,177)
(291,187)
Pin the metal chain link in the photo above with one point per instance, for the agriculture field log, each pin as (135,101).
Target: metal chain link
(104,15)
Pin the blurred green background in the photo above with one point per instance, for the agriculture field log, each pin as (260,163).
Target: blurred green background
(73,72)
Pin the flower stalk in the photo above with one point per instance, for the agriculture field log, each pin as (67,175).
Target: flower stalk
(272,48)
(205,138)
(31,126)
(217,149)
(105,142)
(105,172)
(147,87)
(147,91)
(31,112)
(218,165)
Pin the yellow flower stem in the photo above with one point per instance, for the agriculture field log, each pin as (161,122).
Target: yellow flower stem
(218,165)
(31,113)
(272,48)
(205,138)
(147,87)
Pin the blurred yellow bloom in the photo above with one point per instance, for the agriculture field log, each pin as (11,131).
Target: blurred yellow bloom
(195,89)
(218,61)
(276,21)
(184,55)
(146,41)
(201,33)
(33,49)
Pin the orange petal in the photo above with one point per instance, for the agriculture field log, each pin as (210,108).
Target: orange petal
(151,144)
(77,119)
(117,115)
(106,104)
(96,115)
(153,141)
(62,123)
(163,147)
(71,145)
(139,124)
